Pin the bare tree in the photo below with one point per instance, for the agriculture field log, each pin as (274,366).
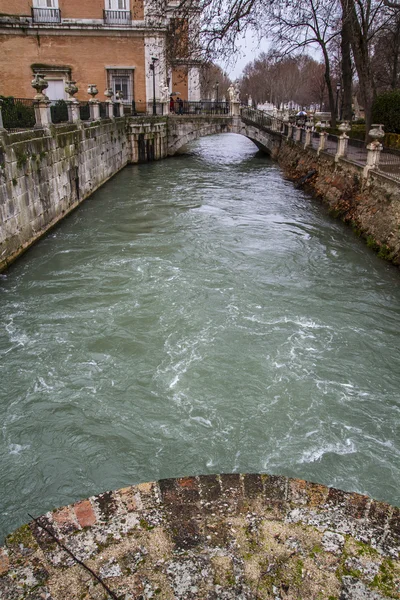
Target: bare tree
(213,82)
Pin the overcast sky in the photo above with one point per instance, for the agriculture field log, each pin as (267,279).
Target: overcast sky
(249,49)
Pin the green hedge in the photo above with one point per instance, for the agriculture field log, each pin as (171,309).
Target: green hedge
(17,113)
(386,110)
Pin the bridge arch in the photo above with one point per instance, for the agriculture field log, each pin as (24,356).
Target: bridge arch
(182,131)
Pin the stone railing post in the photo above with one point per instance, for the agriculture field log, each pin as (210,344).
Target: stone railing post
(94,105)
(343,140)
(118,98)
(72,103)
(235,109)
(322,141)
(374,150)
(308,137)
(41,103)
(1,115)
(297,133)
(110,109)
(290,130)
(94,109)
(109,103)
(42,112)
(73,111)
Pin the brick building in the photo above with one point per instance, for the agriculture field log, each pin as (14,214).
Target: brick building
(106,42)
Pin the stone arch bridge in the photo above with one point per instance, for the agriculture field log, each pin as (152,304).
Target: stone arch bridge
(183,130)
(158,137)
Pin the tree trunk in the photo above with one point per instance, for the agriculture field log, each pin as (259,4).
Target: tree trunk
(328,81)
(359,45)
(396,47)
(347,110)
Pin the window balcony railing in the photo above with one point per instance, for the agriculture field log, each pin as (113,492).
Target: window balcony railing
(117,17)
(46,15)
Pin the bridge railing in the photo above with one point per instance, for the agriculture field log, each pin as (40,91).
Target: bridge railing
(202,107)
(378,158)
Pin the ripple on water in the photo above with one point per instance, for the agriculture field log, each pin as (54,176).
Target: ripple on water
(197,315)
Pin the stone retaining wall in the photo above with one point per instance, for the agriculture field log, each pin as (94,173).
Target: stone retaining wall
(44,174)
(371,206)
(210,537)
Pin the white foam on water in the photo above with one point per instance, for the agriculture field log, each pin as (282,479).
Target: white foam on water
(17,448)
(315,454)
(202,421)
(15,336)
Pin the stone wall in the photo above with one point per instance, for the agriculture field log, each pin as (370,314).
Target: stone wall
(213,537)
(44,174)
(370,205)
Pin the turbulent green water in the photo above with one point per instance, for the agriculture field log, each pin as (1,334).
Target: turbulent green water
(197,315)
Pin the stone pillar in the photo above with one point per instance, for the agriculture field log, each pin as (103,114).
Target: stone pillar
(308,137)
(343,140)
(297,133)
(110,109)
(235,109)
(41,103)
(373,155)
(119,97)
(1,116)
(322,141)
(72,103)
(42,112)
(73,110)
(94,108)
(109,103)
(290,130)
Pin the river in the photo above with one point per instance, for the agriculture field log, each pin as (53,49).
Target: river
(197,315)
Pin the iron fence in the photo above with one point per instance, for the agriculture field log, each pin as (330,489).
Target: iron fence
(116,109)
(201,107)
(331,144)
(103,110)
(389,163)
(84,111)
(59,112)
(315,140)
(117,17)
(18,113)
(46,15)
(357,151)
(258,117)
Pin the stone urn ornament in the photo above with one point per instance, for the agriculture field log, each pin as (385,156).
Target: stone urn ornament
(108,94)
(39,84)
(71,88)
(376,132)
(92,91)
(344,127)
(119,95)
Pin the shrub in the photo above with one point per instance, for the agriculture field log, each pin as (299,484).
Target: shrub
(386,110)
(17,113)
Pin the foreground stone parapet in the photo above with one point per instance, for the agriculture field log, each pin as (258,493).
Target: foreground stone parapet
(209,537)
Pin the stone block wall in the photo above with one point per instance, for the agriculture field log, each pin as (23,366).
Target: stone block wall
(370,205)
(44,174)
(214,537)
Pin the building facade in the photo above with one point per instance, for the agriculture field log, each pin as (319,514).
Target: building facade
(110,43)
